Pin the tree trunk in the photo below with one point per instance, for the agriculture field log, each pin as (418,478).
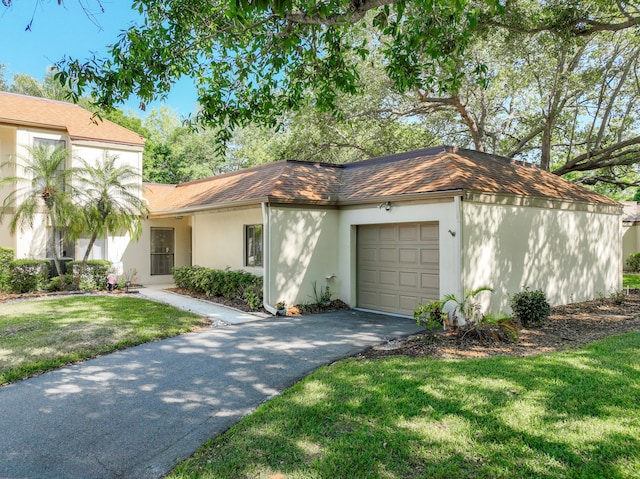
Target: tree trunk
(83,264)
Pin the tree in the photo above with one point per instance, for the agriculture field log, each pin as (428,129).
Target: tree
(255,60)
(111,201)
(44,185)
(50,87)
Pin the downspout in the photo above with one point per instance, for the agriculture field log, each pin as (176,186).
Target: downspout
(457,201)
(266,287)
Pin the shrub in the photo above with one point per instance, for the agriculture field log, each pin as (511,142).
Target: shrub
(27,275)
(94,275)
(633,262)
(6,257)
(430,314)
(221,283)
(530,307)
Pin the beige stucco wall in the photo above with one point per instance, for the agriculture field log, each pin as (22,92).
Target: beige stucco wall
(571,255)
(630,240)
(138,254)
(218,238)
(302,249)
(445,211)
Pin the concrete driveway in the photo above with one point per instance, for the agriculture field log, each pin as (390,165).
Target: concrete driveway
(134,413)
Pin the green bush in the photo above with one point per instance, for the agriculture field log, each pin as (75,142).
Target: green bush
(6,257)
(27,275)
(221,283)
(530,307)
(633,262)
(94,275)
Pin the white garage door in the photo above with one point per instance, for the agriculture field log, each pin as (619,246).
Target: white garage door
(397,266)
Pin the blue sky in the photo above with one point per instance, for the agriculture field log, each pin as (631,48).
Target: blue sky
(59,30)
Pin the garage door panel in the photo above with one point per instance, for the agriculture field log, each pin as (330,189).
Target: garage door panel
(368,255)
(389,300)
(397,266)
(409,303)
(408,280)
(389,278)
(387,255)
(387,233)
(368,276)
(408,255)
(430,232)
(408,232)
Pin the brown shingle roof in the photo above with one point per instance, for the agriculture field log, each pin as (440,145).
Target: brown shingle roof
(76,121)
(430,170)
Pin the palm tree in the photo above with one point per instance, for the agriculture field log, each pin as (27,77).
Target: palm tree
(111,201)
(43,188)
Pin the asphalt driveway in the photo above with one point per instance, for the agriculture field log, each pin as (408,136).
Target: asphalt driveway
(134,413)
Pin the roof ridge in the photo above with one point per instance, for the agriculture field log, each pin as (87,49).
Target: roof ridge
(41,98)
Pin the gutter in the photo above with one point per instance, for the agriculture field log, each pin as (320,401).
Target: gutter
(266,232)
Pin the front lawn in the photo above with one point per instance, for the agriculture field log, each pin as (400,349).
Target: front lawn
(572,415)
(631,280)
(39,335)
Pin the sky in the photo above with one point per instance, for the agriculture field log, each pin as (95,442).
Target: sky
(59,30)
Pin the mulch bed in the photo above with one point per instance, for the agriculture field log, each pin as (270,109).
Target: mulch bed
(568,327)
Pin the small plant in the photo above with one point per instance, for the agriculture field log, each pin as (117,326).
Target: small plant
(252,298)
(618,297)
(55,284)
(321,296)
(469,308)
(430,314)
(633,262)
(530,307)
(281,305)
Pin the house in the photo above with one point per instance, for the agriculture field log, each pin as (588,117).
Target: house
(29,121)
(387,233)
(630,228)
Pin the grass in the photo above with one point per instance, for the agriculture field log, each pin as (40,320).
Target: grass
(37,336)
(569,415)
(631,280)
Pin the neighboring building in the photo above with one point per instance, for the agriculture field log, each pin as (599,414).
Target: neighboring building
(630,228)
(387,233)
(29,121)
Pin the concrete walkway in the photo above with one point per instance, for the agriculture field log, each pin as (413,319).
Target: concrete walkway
(219,315)
(134,413)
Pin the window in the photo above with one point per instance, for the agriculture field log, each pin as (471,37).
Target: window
(162,250)
(253,245)
(65,248)
(52,144)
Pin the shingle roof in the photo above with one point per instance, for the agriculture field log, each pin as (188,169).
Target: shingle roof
(431,170)
(76,121)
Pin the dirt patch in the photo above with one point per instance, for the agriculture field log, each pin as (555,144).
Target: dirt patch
(569,327)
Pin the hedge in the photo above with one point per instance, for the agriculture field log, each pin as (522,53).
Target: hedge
(94,275)
(7,255)
(223,283)
(27,275)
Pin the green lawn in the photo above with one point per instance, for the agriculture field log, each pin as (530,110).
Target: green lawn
(570,415)
(630,280)
(39,335)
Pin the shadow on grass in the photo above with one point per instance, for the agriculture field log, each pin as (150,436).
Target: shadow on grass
(573,414)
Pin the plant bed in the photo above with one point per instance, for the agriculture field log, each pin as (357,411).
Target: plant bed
(231,303)
(314,308)
(568,327)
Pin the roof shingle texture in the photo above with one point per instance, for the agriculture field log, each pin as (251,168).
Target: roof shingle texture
(51,114)
(431,170)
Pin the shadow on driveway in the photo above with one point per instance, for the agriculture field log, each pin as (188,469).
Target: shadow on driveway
(134,413)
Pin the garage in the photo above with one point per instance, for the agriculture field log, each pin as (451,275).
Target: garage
(398,266)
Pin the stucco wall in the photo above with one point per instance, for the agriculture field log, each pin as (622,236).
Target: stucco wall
(570,255)
(218,238)
(444,211)
(302,245)
(138,254)
(630,241)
